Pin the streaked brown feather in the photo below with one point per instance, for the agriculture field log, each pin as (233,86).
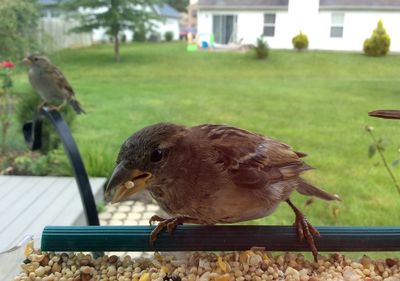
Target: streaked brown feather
(61,81)
(252,160)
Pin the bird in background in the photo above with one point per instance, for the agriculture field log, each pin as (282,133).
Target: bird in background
(211,174)
(386,113)
(50,83)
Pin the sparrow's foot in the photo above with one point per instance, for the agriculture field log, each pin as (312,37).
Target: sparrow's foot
(305,229)
(41,105)
(169,224)
(53,108)
(58,108)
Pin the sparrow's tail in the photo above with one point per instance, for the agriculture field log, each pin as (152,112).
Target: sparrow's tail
(76,106)
(307,189)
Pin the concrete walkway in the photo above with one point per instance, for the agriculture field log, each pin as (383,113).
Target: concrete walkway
(135,212)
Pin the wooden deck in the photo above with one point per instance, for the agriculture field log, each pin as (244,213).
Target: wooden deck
(27,204)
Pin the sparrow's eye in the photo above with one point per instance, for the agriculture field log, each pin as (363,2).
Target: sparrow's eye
(156,155)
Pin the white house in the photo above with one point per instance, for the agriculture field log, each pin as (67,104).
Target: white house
(329,24)
(169,22)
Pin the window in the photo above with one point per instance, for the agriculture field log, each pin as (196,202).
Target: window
(337,23)
(224,28)
(269,25)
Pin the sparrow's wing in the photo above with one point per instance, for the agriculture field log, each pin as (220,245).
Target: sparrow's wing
(61,81)
(252,160)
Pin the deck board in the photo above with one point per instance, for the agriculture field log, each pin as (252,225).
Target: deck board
(27,204)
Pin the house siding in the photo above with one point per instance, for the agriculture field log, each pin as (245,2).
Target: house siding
(357,27)
(314,21)
(249,25)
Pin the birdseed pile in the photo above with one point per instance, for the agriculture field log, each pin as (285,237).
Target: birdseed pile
(200,266)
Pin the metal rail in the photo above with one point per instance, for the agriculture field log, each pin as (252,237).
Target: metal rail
(32,131)
(218,238)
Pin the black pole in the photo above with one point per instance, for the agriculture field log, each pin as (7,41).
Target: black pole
(32,133)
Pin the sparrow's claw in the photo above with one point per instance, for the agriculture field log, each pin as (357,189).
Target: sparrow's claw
(156,231)
(39,107)
(169,224)
(155,218)
(58,108)
(305,230)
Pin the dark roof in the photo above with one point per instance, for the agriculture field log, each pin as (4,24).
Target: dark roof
(359,4)
(166,10)
(243,4)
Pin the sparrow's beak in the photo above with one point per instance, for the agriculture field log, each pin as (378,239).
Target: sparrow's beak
(388,114)
(27,61)
(125,182)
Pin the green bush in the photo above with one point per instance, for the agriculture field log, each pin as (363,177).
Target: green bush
(169,35)
(139,36)
(18,28)
(261,49)
(34,163)
(378,44)
(155,37)
(300,41)
(27,109)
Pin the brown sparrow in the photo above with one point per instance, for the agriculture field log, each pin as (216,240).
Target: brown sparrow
(49,82)
(385,113)
(211,174)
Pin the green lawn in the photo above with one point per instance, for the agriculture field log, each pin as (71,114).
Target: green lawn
(315,101)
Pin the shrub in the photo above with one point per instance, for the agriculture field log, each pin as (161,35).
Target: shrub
(300,41)
(123,38)
(261,49)
(139,34)
(378,44)
(27,109)
(18,28)
(169,35)
(33,163)
(155,37)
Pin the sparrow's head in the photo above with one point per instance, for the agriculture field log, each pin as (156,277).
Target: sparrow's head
(141,159)
(36,60)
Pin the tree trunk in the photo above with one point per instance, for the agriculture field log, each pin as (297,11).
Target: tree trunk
(116,47)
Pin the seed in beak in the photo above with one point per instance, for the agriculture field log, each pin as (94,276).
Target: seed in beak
(129,184)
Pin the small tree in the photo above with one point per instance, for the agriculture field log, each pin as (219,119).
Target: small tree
(261,49)
(378,44)
(300,41)
(113,15)
(169,35)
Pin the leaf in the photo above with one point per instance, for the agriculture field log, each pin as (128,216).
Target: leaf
(395,163)
(371,150)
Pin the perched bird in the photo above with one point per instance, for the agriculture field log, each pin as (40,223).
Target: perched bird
(211,174)
(49,82)
(385,113)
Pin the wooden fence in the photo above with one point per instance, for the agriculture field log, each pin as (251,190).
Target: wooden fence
(56,35)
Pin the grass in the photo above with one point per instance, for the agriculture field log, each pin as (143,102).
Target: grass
(315,101)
